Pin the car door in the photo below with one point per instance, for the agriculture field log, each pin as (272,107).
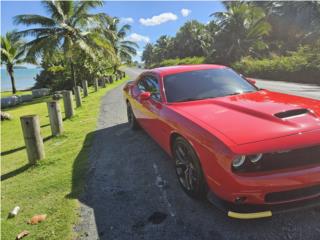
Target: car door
(137,104)
(150,108)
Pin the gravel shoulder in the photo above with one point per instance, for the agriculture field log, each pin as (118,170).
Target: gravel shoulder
(132,193)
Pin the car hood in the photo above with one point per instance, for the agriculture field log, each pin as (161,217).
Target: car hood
(254,117)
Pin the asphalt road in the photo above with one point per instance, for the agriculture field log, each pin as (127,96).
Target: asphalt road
(132,193)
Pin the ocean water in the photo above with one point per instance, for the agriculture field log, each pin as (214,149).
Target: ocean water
(24,78)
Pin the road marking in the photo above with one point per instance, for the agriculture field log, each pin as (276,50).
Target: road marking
(160,183)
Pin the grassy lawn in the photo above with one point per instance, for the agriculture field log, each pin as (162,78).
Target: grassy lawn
(46,188)
(9,93)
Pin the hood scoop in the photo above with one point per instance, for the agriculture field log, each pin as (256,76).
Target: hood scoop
(292,113)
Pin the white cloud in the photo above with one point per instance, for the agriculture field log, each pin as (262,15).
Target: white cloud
(126,20)
(135,37)
(185,12)
(159,19)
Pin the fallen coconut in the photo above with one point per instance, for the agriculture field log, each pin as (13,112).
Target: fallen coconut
(37,219)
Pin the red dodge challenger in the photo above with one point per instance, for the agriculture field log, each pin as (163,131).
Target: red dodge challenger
(251,151)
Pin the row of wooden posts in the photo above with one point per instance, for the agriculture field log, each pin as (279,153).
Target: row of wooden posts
(31,123)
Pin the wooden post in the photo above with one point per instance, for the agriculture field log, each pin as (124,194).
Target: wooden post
(77,94)
(31,133)
(68,104)
(55,118)
(96,85)
(85,88)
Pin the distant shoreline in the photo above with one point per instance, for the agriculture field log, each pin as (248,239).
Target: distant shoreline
(24,78)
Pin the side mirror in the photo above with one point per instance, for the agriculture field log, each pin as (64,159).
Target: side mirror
(252,81)
(145,96)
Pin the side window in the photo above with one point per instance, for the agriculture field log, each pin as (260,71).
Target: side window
(142,84)
(150,84)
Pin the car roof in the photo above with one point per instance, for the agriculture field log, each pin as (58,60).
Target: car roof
(184,68)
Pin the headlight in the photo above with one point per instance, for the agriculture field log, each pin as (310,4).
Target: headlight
(255,158)
(239,161)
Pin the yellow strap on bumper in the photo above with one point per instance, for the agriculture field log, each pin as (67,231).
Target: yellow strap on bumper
(250,215)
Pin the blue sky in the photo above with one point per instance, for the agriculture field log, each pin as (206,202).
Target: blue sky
(149,19)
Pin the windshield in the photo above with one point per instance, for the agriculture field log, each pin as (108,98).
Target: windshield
(201,84)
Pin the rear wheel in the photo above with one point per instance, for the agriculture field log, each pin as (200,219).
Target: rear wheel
(133,123)
(188,169)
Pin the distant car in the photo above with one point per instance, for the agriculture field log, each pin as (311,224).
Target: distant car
(251,151)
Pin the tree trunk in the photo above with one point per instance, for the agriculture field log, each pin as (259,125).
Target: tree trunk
(13,82)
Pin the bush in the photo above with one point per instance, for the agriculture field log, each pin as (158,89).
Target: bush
(300,66)
(56,74)
(55,80)
(179,61)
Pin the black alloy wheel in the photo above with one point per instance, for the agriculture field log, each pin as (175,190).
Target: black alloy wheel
(188,169)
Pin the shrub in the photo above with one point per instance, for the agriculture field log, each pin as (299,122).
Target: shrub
(300,66)
(55,80)
(179,61)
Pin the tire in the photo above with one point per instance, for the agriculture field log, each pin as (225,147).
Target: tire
(188,169)
(133,123)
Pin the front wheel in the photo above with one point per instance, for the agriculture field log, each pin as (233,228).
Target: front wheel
(133,123)
(188,169)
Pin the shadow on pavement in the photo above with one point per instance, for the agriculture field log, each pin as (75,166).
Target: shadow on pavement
(133,192)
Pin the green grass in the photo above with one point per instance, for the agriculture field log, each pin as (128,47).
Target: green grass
(9,93)
(51,187)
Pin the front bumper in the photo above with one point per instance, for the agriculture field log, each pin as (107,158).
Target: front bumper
(254,211)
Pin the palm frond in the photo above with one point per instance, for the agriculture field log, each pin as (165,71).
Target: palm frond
(130,43)
(101,43)
(82,7)
(128,49)
(54,9)
(36,47)
(123,30)
(67,8)
(5,56)
(37,32)
(11,48)
(32,19)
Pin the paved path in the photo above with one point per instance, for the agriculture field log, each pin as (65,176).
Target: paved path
(132,193)
(304,90)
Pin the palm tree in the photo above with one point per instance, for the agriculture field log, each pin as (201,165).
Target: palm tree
(242,28)
(293,23)
(124,49)
(148,55)
(164,48)
(12,53)
(190,39)
(70,27)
